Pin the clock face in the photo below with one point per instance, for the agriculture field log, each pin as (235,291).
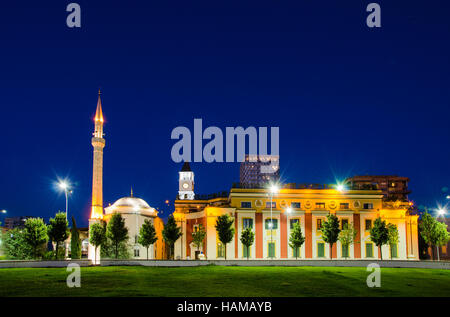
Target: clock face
(185,185)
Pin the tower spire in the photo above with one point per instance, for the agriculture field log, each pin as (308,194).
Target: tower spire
(131,194)
(98,112)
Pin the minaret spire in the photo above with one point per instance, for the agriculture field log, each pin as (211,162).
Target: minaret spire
(98,142)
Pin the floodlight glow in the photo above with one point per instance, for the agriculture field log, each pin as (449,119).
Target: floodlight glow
(289,210)
(270,224)
(63,185)
(340,187)
(441,211)
(274,189)
(3,211)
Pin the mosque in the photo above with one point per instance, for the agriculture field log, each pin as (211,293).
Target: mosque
(133,209)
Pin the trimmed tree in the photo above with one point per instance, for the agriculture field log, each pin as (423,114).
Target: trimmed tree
(58,230)
(393,236)
(441,236)
(97,236)
(116,232)
(428,229)
(171,233)
(347,236)
(15,246)
(35,235)
(296,238)
(198,236)
(75,242)
(147,235)
(330,231)
(247,239)
(225,230)
(379,234)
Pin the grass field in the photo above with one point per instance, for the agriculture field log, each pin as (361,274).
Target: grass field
(224,281)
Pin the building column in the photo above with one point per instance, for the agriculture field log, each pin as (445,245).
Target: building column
(357,242)
(308,235)
(258,235)
(236,235)
(283,235)
(188,237)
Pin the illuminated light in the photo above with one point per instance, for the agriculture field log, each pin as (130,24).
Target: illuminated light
(289,210)
(410,203)
(340,187)
(270,224)
(63,185)
(441,211)
(4,211)
(167,201)
(274,189)
(448,197)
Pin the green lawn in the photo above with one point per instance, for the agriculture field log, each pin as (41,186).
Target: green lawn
(224,281)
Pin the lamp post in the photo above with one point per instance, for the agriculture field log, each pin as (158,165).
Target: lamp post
(3,211)
(65,186)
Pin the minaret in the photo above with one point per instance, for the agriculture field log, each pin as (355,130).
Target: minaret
(98,142)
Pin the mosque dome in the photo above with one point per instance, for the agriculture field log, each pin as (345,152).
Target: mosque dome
(132,205)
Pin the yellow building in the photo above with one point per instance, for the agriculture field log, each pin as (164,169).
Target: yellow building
(306,204)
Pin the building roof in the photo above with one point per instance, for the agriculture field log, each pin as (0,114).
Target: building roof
(131,205)
(186,167)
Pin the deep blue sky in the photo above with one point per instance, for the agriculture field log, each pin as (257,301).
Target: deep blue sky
(348,99)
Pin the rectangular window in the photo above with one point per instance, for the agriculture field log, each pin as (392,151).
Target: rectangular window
(345,251)
(368,224)
(220,250)
(274,224)
(247,223)
(293,221)
(246,204)
(368,206)
(344,206)
(136,252)
(271,249)
(296,205)
(320,250)
(369,250)
(344,224)
(319,224)
(320,205)
(394,251)
(274,204)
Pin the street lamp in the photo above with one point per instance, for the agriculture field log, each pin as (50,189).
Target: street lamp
(63,185)
(3,211)
(273,190)
(340,187)
(441,212)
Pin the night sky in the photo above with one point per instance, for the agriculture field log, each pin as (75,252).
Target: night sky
(348,99)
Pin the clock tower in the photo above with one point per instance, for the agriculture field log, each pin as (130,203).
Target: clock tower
(186,182)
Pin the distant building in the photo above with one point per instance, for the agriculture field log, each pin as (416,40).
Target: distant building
(259,170)
(393,187)
(15,222)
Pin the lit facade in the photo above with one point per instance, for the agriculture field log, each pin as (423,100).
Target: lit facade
(251,208)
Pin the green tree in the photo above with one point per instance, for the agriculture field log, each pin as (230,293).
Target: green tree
(147,235)
(198,236)
(35,235)
(14,245)
(247,239)
(97,237)
(347,236)
(171,233)
(116,232)
(75,242)
(296,238)
(393,236)
(58,230)
(428,229)
(441,236)
(225,230)
(379,234)
(330,231)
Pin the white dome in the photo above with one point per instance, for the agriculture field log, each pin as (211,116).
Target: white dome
(131,205)
(131,202)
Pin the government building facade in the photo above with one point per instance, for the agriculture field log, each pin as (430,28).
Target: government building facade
(307,205)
